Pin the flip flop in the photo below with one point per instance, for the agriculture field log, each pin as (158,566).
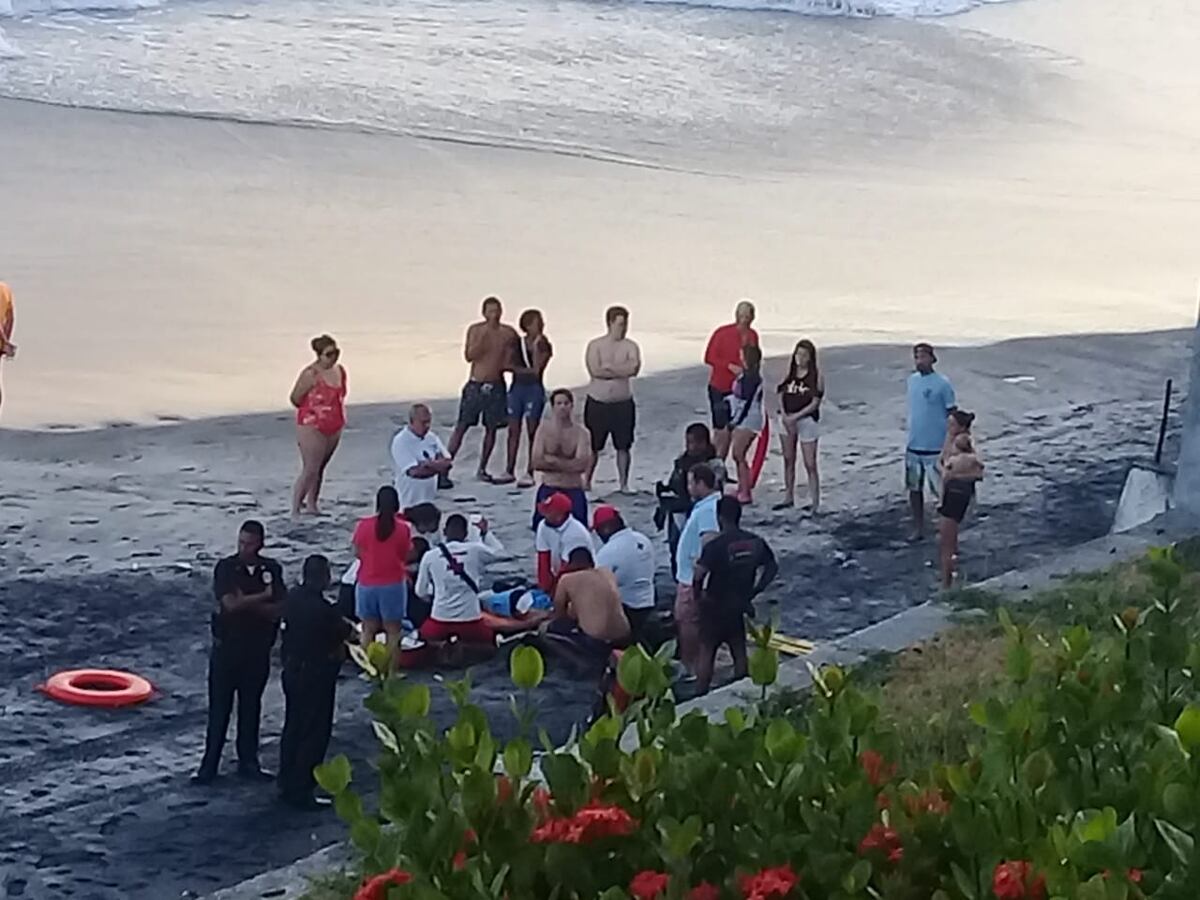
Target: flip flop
(485,478)
(503,479)
(524,483)
(780,507)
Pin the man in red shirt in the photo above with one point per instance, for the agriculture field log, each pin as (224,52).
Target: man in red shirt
(724,357)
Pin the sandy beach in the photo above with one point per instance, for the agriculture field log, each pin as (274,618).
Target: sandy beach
(110,535)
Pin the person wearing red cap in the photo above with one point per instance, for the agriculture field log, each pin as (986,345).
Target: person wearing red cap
(558,533)
(723,356)
(629,555)
(562,452)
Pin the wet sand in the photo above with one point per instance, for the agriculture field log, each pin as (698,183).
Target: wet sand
(108,537)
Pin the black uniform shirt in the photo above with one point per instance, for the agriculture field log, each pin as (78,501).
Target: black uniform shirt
(313,628)
(246,628)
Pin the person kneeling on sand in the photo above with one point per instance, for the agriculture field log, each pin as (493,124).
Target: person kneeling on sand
(450,576)
(629,555)
(314,647)
(734,568)
(961,471)
(558,534)
(589,621)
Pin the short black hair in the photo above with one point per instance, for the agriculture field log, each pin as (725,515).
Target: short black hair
(561,392)
(420,546)
(527,318)
(704,474)
(488,301)
(615,312)
(456,524)
(424,516)
(580,558)
(254,527)
(316,570)
(729,509)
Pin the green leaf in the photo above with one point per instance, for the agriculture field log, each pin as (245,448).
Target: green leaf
(1181,843)
(348,806)
(963,881)
(526,667)
(386,736)
(1177,801)
(780,740)
(414,702)
(857,878)
(1187,726)
(379,656)
(359,655)
(518,758)
(334,776)
(365,834)
(498,881)
(1019,662)
(736,719)
(764,666)
(633,671)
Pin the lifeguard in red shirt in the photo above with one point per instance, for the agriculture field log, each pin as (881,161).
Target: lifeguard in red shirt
(723,356)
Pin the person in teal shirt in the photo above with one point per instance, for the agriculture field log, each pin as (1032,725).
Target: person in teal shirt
(930,401)
(702,521)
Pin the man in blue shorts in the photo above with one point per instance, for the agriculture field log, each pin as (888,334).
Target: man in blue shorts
(527,396)
(930,402)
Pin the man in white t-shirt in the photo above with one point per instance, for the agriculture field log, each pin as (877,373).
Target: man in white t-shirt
(419,459)
(558,533)
(629,555)
(451,576)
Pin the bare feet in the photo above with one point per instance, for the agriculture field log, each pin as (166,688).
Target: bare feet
(506,478)
(525,482)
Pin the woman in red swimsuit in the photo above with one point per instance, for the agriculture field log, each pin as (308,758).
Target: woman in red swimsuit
(320,400)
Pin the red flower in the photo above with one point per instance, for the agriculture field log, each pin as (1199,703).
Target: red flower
(1016,880)
(460,858)
(1134,875)
(648,885)
(882,840)
(593,821)
(704,891)
(879,771)
(504,789)
(777,882)
(376,888)
(931,801)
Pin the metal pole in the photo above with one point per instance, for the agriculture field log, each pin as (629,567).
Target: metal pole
(1162,425)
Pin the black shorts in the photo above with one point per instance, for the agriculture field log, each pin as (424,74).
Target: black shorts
(616,419)
(718,402)
(957,499)
(483,401)
(722,627)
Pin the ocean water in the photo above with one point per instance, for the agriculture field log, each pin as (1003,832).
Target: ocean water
(200,186)
(645,81)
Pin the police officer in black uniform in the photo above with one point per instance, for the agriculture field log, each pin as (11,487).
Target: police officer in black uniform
(249,591)
(314,648)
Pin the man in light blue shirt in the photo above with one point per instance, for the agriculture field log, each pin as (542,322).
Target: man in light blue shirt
(701,523)
(930,402)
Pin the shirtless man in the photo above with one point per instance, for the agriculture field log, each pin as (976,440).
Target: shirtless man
(484,397)
(562,452)
(587,608)
(613,360)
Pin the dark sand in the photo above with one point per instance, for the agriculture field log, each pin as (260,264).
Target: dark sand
(98,805)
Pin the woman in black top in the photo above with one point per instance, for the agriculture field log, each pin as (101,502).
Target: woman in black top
(800,395)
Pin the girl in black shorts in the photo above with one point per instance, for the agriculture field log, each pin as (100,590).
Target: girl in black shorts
(960,473)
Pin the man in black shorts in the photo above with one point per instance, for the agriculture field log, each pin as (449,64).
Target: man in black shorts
(734,568)
(613,360)
(485,397)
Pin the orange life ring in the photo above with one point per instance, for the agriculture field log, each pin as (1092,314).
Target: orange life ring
(98,687)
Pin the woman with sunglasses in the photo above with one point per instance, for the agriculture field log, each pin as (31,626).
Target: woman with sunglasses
(320,400)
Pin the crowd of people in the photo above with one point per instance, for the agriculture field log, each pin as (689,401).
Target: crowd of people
(420,579)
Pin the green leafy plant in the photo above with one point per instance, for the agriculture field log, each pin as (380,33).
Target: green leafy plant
(1077,775)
